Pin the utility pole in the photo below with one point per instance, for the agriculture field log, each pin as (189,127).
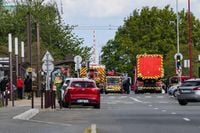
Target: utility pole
(190,38)
(38,63)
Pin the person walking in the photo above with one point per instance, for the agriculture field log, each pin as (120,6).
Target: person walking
(20,85)
(28,86)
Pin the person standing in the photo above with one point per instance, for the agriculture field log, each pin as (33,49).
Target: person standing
(28,86)
(20,85)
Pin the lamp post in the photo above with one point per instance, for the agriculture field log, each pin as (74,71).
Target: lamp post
(11,78)
(16,56)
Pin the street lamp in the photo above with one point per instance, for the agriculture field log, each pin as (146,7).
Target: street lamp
(16,55)
(10,53)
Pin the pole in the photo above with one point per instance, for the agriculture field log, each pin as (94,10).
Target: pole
(16,56)
(11,78)
(190,38)
(177,26)
(38,64)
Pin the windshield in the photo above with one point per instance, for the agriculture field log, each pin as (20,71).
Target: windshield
(191,83)
(83,84)
(113,80)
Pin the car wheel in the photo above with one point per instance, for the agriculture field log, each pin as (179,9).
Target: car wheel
(175,93)
(182,102)
(97,106)
(106,92)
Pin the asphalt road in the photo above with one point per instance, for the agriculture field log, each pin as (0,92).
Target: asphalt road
(141,113)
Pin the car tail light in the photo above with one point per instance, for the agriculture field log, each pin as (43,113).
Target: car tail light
(195,89)
(140,84)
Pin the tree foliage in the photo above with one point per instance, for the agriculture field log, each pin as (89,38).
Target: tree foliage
(55,36)
(150,31)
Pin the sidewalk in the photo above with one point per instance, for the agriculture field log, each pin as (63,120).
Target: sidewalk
(26,102)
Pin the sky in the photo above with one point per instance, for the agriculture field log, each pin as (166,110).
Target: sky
(105,16)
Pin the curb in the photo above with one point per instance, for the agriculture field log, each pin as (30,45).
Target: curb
(27,114)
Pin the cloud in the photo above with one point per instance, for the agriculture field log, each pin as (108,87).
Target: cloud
(96,8)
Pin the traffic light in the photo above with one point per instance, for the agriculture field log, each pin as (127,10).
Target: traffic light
(178,62)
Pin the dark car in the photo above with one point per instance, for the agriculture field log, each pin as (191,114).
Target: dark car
(81,91)
(189,91)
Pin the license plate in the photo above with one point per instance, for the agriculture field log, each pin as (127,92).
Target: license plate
(82,101)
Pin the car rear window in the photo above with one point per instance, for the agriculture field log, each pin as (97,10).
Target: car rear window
(83,84)
(191,83)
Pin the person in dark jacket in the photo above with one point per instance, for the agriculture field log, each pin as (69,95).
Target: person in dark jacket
(3,83)
(28,86)
(126,86)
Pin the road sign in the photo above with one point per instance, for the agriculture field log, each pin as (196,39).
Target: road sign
(48,67)
(77,59)
(47,57)
(77,67)
(178,54)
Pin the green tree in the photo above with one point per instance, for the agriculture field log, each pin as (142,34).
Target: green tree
(55,36)
(150,31)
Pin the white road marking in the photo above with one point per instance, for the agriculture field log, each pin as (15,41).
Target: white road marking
(93,128)
(122,97)
(155,108)
(186,119)
(173,113)
(150,105)
(51,123)
(136,100)
(164,110)
(148,96)
(27,114)
(160,97)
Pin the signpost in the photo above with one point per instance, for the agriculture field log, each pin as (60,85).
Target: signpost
(47,67)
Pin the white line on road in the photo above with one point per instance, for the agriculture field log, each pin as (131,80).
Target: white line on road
(186,119)
(51,123)
(136,100)
(27,114)
(150,105)
(164,110)
(93,128)
(155,108)
(173,113)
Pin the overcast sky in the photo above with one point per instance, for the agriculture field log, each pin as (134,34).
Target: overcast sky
(104,16)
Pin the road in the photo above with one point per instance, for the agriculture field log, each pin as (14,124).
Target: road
(141,113)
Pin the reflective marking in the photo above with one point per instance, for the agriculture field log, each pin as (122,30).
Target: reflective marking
(155,108)
(150,105)
(136,100)
(164,110)
(186,119)
(173,113)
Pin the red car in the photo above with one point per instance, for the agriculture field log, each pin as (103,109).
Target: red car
(81,91)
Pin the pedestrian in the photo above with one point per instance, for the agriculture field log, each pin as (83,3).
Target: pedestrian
(58,85)
(3,83)
(28,86)
(20,85)
(126,86)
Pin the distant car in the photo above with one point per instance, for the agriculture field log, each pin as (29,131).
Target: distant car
(189,91)
(81,91)
(173,90)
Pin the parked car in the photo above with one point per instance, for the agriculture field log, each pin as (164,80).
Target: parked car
(189,91)
(174,83)
(81,91)
(173,90)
